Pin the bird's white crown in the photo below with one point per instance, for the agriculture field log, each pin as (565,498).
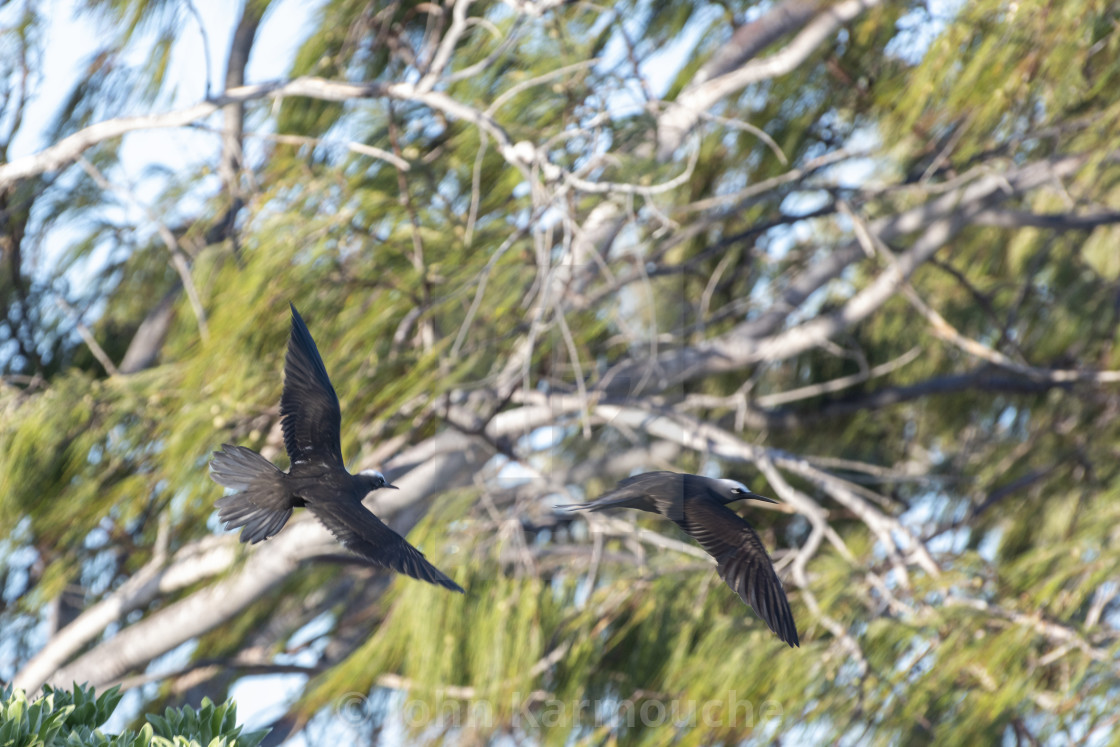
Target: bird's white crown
(734,484)
(373,473)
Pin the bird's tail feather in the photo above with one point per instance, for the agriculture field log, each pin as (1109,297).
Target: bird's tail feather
(262,505)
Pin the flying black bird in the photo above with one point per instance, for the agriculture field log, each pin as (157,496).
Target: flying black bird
(318,480)
(698,505)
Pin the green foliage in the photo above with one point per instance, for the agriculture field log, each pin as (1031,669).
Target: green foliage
(1014,71)
(63,717)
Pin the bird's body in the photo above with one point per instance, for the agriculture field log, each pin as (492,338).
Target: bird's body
(698,505)
(311,420)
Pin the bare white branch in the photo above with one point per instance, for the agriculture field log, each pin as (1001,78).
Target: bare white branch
(686,111)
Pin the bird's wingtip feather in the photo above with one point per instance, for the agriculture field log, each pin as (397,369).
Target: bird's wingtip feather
(571,506)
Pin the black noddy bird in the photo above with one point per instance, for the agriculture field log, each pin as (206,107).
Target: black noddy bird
(317,480)
(698,505)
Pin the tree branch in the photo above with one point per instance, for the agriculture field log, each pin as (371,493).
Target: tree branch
(938,219)
(193,563)
(685,112)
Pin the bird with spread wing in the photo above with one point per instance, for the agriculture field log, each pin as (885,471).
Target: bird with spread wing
(698,505)
(318,480)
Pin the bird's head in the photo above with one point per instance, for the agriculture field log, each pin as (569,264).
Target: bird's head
(374,480)
(734,490)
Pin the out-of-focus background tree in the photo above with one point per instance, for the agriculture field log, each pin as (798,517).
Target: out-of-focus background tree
(862,255)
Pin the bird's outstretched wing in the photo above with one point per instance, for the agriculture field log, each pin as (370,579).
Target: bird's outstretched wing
(309,412)
(360,531)
(658,492)
(743,562)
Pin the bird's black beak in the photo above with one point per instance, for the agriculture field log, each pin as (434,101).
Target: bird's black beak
(387,485)
(757,497)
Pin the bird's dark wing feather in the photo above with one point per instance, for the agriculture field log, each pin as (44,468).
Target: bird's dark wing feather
(743,562)
(658,492)
(360,531)
(309,412)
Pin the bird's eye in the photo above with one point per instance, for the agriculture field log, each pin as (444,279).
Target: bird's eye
(738,491)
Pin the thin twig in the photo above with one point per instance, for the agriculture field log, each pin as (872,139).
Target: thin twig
(836,385)
(178,256)
(443,53)
(90,341)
